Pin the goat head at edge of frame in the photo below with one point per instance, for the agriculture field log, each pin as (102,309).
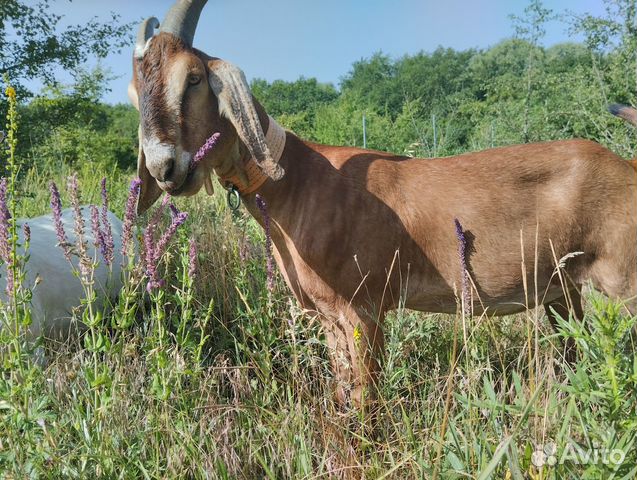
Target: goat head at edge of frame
(177,111)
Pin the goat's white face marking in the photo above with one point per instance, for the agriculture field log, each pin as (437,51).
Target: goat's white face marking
(156,151)
(159,155)
(175,104)
(166,157)
(176,83)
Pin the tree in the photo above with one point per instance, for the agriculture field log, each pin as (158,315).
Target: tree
(294,104)
(293,97)
(32,44)
(69,126)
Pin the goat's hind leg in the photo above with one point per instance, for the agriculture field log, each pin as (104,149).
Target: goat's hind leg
(561,307)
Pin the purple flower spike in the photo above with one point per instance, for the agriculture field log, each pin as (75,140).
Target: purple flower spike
(5,216)
(26,230)
(150,249)
(178,219)
(153,252)
(130,215)
(154,220)
(151,267)
(104,193)
(10,284)
(56,208)
(204,150)
(5,247)
(268,240)
(154,283)
(85,262)
(97,231)
(108,245)
(173,210)
(462,253)
(192,258)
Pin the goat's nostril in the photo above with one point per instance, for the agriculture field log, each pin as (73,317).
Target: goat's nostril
(167,170)
(170,168)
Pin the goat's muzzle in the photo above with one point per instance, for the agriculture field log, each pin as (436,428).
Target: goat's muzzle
(167,164)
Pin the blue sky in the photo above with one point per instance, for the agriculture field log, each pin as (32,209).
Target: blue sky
(286,39)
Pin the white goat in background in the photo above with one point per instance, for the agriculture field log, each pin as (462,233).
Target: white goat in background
(57,291)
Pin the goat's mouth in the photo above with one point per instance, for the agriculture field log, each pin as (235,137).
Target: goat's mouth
(191,183)
(176,189)
(196,175)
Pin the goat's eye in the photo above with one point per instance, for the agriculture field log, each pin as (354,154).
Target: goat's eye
(194,79)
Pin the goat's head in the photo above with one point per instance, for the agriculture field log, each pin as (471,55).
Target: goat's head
(184,96)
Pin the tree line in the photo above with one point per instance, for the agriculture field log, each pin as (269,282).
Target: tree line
(436,103)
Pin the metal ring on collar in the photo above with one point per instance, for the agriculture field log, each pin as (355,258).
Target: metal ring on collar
(233,198)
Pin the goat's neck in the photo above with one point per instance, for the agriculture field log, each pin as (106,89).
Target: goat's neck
(275,193)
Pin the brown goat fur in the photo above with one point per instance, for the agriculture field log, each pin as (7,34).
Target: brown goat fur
(355,231)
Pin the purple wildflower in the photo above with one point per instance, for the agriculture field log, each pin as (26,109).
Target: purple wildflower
(129,215)
(149,260)
(149,236)
(104,193)
(462,253)
(178,218)
(268,240)
(26,230)
(154,282)
(173,210)
(204,150)
(97,231)
(10,284)
(5,216)
(85,261)
(153,252)
(56,208)
(5,247)
(192,258)
(108,245)
(154,220)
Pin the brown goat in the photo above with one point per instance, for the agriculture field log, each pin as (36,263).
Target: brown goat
(355,230)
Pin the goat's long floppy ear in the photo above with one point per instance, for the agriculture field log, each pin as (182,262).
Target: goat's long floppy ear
(149,190)
(230,86)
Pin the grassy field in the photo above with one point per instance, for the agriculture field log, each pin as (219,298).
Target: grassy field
(214,376)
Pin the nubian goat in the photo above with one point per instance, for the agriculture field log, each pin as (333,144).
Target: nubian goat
(57,292)
(355,230)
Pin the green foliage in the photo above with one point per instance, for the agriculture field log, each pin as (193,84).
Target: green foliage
(70,126)
(37,45)
(294,103)
(448,102)
(302,95)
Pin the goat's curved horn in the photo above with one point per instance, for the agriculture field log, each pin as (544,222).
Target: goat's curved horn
(181,20)
(146,30)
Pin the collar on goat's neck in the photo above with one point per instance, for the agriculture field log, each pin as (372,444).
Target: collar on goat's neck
(275,139)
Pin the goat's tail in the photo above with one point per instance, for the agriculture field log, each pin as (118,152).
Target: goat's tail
(624,111)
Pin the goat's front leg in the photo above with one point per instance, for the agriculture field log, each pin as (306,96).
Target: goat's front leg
(356,343)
